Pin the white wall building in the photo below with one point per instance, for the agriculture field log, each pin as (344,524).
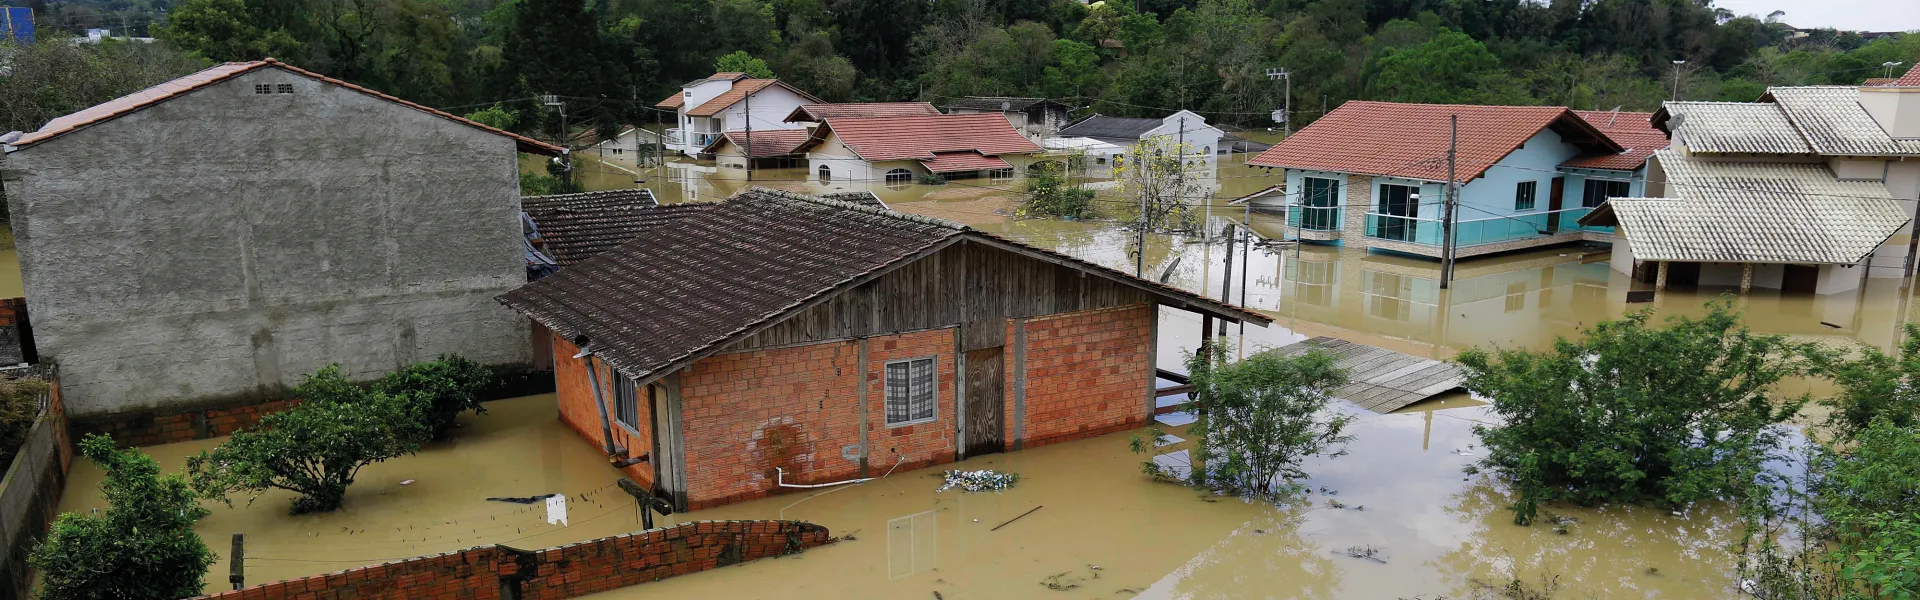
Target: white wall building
(718,104)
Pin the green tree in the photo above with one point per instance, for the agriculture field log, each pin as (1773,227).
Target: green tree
(55,76)
(496,116)
(740,62)
(1637,414)
(1451,68)
(226,30)
(317,448)
(141,548)
(1049,193)
(1166,179)
(1259,418)
(439,390)
(1853,513)
(1875,385)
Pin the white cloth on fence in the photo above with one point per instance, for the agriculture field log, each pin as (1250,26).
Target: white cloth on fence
(557,509)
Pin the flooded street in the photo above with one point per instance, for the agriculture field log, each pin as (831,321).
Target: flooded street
(1395,518)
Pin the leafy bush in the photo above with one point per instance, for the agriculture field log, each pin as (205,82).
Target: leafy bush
(1637,414)
(440,390)
(1050,194)
(1259,418)
(1854,512)
(19,406)
(317,448)
(1877,385)
(141,548)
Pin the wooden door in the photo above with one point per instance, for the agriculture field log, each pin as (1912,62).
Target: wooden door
(986,401)
(669,446)
(1556,194)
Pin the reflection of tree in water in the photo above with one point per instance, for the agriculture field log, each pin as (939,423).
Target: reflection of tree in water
(1264,558)
(1615,552)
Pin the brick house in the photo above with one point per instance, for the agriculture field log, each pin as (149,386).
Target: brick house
(779,338)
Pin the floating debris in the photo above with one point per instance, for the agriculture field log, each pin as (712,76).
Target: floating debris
(983,480)
(1054,583)
(1364,552)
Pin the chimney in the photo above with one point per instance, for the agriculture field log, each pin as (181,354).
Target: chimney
(1896,109)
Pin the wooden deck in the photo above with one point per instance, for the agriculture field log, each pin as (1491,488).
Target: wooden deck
(1384,381)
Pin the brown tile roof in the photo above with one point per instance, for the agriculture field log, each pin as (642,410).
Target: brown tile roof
(953,162)
(1877,81)
(1632,130)
(694,285)
(130,103)
(1410,140)
(574,227)
(918,138)
(767,142)
(821,112)
(672,102)
(1912,78)
(739,91)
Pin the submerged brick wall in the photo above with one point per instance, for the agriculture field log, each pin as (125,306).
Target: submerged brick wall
(1085,374)
(503,573)
(149,428)
(578,411)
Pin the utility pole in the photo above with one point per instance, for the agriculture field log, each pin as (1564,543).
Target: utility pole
(1446,223)
(566,154)
(1678,66)
(749,118)
(1226,278)
(1285,115)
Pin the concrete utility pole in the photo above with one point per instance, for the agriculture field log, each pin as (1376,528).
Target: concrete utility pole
(1677,67)
(1285,116)
(1446,223)
(749,145)
(1226,278)
(566,157)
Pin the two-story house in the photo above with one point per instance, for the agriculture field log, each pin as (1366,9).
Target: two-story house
(1808,190)
(708,108)
(1374,174)
(1104,138)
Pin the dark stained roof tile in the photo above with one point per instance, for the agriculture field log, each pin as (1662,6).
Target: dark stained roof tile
(574,227)
(821,112)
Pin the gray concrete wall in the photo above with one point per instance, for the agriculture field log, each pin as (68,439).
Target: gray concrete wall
(214,248)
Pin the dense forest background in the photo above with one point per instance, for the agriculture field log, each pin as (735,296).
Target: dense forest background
(613,59)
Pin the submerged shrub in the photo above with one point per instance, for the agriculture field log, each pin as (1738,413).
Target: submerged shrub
(1259,418)
(142,547)
(440,390)
(317,448)
(1637,414)
(1876,385)
(1050,194)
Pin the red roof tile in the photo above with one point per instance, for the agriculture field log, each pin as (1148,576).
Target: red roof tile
(1632,130)
(918,138)
(820,112)
(130,103)
(739,91)
(1912,78)
(950,162)
(674,101)
(1410,140)
(768,142)
(1878,81)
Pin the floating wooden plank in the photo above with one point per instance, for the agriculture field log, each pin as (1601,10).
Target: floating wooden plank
(1382,380)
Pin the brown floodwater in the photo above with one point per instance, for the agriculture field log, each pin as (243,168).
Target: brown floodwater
(1399,501)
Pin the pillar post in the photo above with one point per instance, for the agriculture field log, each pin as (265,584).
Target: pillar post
(1660,281)
(1746,278)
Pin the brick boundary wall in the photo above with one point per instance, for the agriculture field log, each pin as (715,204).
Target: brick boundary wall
(504,573)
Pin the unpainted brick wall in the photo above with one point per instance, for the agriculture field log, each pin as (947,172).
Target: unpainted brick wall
(1086,374)
(578,409)
(486,572)
(151,428)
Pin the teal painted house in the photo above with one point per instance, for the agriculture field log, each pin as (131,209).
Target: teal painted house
(1373,174)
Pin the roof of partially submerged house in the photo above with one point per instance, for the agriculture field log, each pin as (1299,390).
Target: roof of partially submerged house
(1731,128)
(867,199)
(1275,190)
(1000,103)
(765,142)
(1632,130)
(134,102)
(1763,212)
(1393,139)
(1833,122)
(678,98)
(1110,129)
(740,90)
(695,285)
(924,137)
(822,112)
(574,227)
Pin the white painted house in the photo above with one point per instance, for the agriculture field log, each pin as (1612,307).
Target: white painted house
(1202,140)
(708,108)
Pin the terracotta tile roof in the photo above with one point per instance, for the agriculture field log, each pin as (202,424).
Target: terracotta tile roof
(766,142)
(1877,81)
(1731,128)
(918,138)
(130,103)
(739,91)
(574,227)
(695,285)
(1912,78)
(1410,140)
(952,162)
(1763,212)
(1632,130)
(821,112)
(672,102)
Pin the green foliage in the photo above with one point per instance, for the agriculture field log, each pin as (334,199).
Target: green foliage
(1450,68)
(19,407)
(740,62)
(224,30)
(1259,418)
(141,548)
(440,390)
(1854,512)
(496,116)
(317,448)
(1168,180)
(1637,414)
(1876,385)
(537,184)
(1049,193)
(54,76)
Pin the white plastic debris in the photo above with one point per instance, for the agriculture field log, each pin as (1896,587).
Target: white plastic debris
(557,509)
(983,480)
(407,482)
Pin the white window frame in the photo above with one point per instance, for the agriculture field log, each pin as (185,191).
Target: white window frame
(1000,174)
(898,176)
(933,392)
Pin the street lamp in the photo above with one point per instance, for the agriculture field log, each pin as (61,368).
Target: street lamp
(1676,78)
(1890,65)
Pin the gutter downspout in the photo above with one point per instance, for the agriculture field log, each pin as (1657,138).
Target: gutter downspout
(599,402)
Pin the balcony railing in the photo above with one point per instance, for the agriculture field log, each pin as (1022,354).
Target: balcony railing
(1485,230)
(1316,218)
(697,139)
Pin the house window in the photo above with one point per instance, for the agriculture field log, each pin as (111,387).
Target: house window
(1099,160)
(1399,206)
(626,403)
(899,176)
(1523,195)
(911,391)
(1319,196)
(261,88)
(1000,174)
(1599,190)
(616,151)
(283,88)
(826,174)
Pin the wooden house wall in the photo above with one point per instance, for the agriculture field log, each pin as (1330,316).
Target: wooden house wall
(970,284)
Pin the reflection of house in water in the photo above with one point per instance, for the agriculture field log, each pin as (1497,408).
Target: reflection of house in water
(913,544)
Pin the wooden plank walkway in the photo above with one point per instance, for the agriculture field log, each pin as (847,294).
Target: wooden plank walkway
(1384,381)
